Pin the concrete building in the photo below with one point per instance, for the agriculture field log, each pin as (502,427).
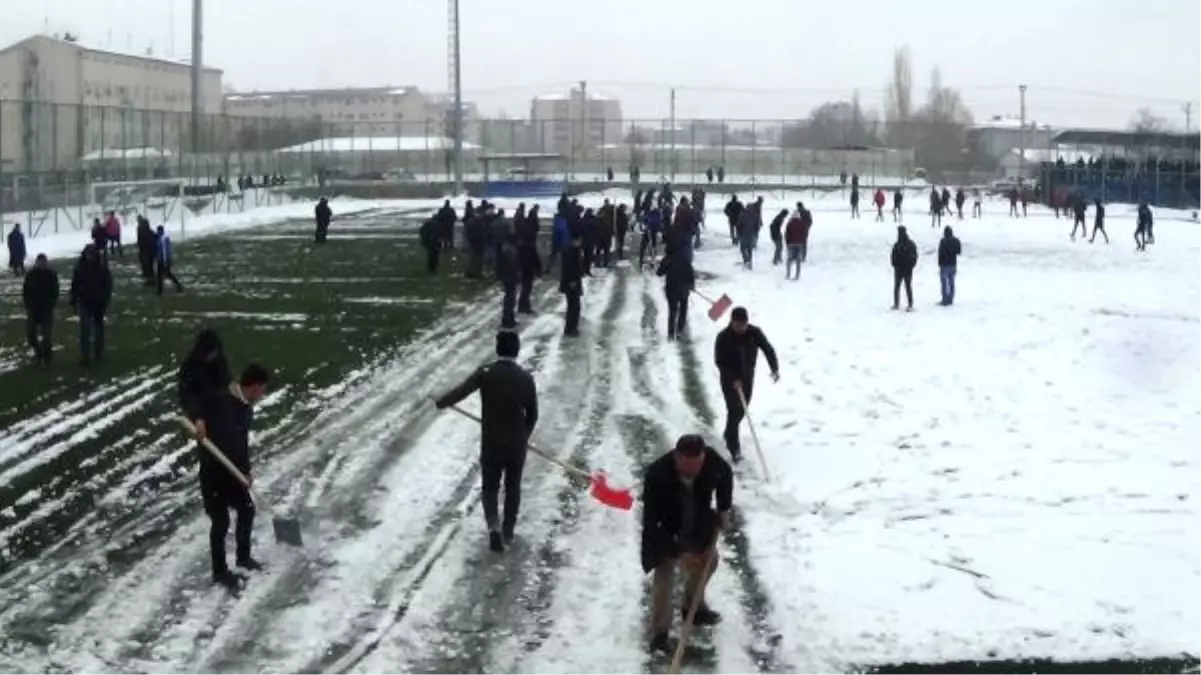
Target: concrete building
(62,100)
(369,112)
(574,122)
(999,136)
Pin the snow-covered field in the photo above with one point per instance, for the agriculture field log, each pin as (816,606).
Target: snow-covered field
(1014,476)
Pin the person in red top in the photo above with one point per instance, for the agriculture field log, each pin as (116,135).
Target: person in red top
(879,202)
(112,230)
(796,236)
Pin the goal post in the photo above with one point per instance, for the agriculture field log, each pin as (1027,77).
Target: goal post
(157,198)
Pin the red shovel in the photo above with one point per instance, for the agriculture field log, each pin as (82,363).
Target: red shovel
(601,491)
(716,307)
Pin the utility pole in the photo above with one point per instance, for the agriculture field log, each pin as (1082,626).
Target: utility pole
(583,120)
(1022,134)
(458,111)
(1188,118)
(672,131)
(197,71)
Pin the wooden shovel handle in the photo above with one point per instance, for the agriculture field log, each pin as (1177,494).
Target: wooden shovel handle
(693,608)
(216,452)
(573,470)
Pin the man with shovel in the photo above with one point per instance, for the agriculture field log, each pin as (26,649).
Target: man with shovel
(735,351)
(509,406)
(680,526)
(227,414)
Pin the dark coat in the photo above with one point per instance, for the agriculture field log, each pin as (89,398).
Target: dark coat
(508,405)
(736,355)
(92,284)
(948,251)
(679,278)
(662,506)
(200,378)
(323,213)
(40,292)
(776,224)
(16,247)
(430,233)
(508,265)
(904,255)
(227,420)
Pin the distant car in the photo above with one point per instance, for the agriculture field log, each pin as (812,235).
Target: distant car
(1003,186)
(516,173)
(399,176)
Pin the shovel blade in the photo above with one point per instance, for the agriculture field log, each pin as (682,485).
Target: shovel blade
(287,531)
(717,309)
(609,496)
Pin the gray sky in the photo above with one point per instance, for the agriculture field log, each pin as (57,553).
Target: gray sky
(1090,63)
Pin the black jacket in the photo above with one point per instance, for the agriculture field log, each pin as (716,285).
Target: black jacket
(678,276)
(227,420)
(429,234)
(92,285)
(662,506)
(904,255)
(40,292)
(323,213)
(508,404)
(571,272)
(733,210)
(776,224)
(200,380)
(736,355)
(146,237)
(508,264)
(948,251)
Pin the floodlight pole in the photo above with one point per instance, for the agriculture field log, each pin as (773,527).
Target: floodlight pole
(458,111)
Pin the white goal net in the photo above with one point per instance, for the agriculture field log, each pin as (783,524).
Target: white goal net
(158,199)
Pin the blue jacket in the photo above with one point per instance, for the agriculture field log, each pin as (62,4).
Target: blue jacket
(163,248)
(559,232)
(653,220)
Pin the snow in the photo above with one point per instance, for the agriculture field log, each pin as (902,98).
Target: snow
(1040,435)
(379,144)
(127,153)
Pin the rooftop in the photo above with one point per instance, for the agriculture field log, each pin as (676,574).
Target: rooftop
(574,94)
(322,93)
(85,47)
(381,144)
(1008,122)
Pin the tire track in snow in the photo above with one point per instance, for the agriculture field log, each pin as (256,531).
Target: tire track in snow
(497,610)
(766,646)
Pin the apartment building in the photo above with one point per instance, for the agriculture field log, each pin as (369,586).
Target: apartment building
(364,112)
(61,100)
(576,121)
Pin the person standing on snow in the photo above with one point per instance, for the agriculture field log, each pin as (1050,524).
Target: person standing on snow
(680,525)
(112,232)
(90,295)
(508,272)
(748,232)
(855,202)
(679,279)
(445,225)
(878,199)
(227,414)
(948,257)
(40,293)
(897,197)
(163,260)
(735,352)
(1098,223)
(432,241)
(904,259)
(976,208)
(935,208)
(147,242)
(797,237)
(1142,232)
(959,199)
(652,223)
(1079,208)
(1013,203)
(733,213)
(16,251)
(323,215)
(777,237)
(623,228)
(508,414)
(560,237)
(528,259)
(571,284)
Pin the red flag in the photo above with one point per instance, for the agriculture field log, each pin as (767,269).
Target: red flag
(717,309)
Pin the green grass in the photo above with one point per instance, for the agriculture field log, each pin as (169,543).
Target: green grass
(312,314)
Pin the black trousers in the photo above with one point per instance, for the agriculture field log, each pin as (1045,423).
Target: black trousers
(650,240)
(571,321)
(39,331)
(499,465)
(677,313)
(508,306)
(146,260)
(621,246)
(527,287)
(778,256)
(589,250)
(162,273)
(899,277)
(431,258)
(734,412)
(221,495)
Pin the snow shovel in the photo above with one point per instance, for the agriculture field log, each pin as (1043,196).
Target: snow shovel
(693,607)
(716,307)
(287,530)
(754,435)
(621,499)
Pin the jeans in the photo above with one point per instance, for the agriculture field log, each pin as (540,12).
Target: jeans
(677,313)
(39,331)
(747,246)
(91,333)
(946,277)
(796,255)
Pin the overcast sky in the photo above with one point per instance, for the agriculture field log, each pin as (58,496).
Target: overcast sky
(1090,63)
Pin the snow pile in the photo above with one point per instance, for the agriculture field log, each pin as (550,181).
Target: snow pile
(1014,476)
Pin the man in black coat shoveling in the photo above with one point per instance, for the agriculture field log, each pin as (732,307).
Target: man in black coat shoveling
(735,351)
(227,414)
(680,526)
(509,411)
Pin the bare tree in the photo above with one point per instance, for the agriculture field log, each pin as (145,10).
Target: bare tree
(941,126)
(830,125)
(898,102)
(1148,122)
